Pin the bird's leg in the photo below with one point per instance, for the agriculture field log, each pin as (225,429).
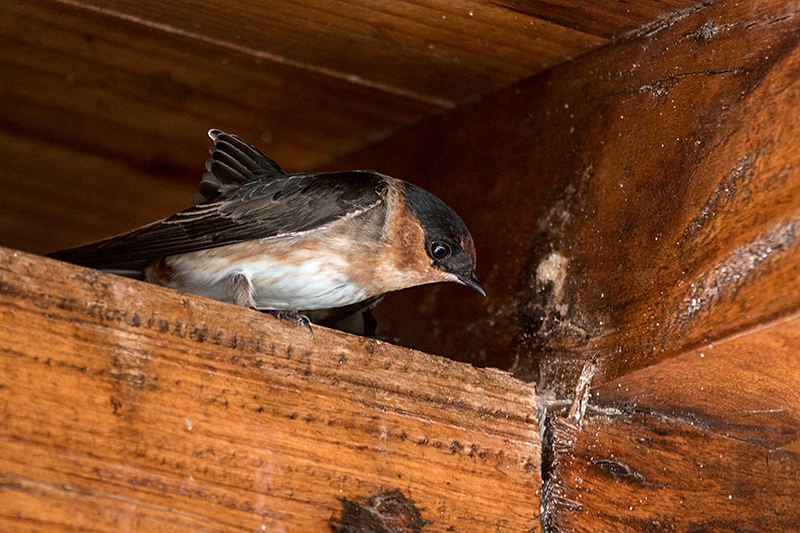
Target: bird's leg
(243,291)
(295,318)
(244,296)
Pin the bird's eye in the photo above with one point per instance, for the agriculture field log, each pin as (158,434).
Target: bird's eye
(440,250)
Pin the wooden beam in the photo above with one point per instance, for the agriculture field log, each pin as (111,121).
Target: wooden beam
(633,203)
(607,19)
(93,196)
(433,51)
(130,406)
(706,441)
(144,92)
(745,387)
(640,472)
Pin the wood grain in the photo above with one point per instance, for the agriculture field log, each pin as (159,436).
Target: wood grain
(129,406)
(433,50)
(641,473)
(705,441)
(636,202)
(140,83)
(605,19)
(91,198)
(744,387)
(118,87)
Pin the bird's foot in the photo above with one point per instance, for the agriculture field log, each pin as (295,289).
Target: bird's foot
(295,318)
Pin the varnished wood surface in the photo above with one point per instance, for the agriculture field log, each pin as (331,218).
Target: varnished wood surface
(640,473)
(140,83)
(746,387)
(637,207)
(93,197)
(435,51)
(126,406)
(706,441)
(607,19)
(129,90)
(629,205)
(316,80)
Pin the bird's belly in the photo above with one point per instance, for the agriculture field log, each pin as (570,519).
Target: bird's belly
(299,282)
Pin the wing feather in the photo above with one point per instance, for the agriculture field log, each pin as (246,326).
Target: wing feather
(232,163)
(243,196)
(268,206)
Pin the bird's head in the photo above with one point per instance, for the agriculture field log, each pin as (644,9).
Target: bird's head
(448,244)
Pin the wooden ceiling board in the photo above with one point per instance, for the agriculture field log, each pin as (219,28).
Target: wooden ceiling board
(603,18)
(147,97)
(438,51)
(142,81)
(61,198)
(133,86)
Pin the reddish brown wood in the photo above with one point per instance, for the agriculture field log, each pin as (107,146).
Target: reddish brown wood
(93,197)
(125,406)
(641,473)
(607,19)
(705,441)
(744,387)
(140,82)
(145,95)
(433,50)
(638,201)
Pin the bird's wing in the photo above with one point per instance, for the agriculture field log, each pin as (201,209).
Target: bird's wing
(232,163)
(265,206)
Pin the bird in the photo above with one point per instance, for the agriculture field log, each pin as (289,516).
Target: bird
(295,245)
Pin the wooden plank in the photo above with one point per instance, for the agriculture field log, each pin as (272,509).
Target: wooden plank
(130,406)
(706,441)
(433,50)
(54,197)
(639,473)
(636,202)
(606,18)
(746,387)
(106,85)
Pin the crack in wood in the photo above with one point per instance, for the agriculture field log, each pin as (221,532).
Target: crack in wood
(721,196)
(662,86)
(728,275)
(667,22)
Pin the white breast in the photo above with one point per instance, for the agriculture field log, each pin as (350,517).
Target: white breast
(319,282)
(297,279)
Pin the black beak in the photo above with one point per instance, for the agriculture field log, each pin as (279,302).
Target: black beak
(471,280)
